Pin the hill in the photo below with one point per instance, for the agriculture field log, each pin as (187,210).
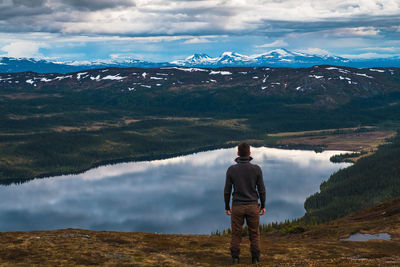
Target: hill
(320,245)
(55,124)
(371,180)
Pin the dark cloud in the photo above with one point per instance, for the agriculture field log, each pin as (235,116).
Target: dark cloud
(29,3)
(185,17)
(22,11)
(279,28)
(98,4)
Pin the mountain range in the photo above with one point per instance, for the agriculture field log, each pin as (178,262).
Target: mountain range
(274,58)
(327,85)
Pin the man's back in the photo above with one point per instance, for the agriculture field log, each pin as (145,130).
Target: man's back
(246,179)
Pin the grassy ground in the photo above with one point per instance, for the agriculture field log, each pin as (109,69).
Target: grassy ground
(320,245)
(319,132)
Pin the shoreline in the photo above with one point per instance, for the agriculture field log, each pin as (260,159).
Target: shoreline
(352,142)
(317,149)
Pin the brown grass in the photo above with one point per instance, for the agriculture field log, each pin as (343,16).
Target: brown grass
(28,96)
(95,126)
(325,131)
(363,141)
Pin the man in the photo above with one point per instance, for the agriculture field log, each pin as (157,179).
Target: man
(246,179)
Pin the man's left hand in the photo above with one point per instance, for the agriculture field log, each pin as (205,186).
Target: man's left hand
(262,211)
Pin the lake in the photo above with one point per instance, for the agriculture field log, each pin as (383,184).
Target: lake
(176,195)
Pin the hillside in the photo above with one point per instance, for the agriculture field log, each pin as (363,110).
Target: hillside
(324,86)
(53,124)
(371,180)
(318,246)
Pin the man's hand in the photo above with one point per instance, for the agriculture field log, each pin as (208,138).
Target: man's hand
(228,212)
(262,211)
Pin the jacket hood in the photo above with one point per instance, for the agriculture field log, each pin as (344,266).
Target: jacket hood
(243,159)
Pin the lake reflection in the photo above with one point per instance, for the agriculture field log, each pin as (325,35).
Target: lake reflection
(176,195)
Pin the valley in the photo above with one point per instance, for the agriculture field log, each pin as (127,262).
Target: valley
(54,124)
(67,123)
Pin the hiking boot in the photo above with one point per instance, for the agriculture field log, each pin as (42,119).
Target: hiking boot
(255,260)
(235,260)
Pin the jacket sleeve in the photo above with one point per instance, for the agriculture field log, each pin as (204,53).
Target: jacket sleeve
(261,188)
(227,190)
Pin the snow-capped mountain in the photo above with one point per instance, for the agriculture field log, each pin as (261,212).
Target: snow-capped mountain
(196,59)
(9,65)
(274,58)
(278,58)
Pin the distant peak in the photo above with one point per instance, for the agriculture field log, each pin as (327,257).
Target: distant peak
(229,53)
(198,55)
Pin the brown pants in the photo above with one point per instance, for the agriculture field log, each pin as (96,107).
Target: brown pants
(252,215)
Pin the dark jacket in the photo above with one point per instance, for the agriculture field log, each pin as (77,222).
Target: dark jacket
(244,177)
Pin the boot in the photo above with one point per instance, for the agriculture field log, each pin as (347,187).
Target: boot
(235,260)
(255,260)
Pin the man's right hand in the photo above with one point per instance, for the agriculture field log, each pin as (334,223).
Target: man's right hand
(228,212)
(262,211)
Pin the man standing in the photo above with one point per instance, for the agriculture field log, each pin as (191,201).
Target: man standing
(246,179)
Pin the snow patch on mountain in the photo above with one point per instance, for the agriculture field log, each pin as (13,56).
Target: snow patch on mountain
(113,77)
(363,74)
(186,69)
(220,72)
(79,75)
(377,70)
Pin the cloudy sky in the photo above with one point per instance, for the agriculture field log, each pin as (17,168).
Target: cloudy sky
(164,30)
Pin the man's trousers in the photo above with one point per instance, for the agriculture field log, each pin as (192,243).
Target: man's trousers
(250,212)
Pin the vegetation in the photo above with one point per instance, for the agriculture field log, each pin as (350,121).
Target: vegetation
(286,227)
(68,125)
(347,157)
(57,130)
(371,180)
(318,245)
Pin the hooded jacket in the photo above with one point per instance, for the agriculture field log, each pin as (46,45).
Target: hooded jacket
(247,181)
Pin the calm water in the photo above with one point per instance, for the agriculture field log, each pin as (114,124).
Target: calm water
(176,195)
(366,237)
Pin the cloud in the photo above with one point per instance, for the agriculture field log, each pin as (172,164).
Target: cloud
(98,4)
(205,17)
(314,51)
(197,40)
(366,56)
(397,28)
(276,43)
(380,49)
(29,3)
(356,31)
(286,23)
(23,49)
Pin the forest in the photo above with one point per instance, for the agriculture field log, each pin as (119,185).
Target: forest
(369,181)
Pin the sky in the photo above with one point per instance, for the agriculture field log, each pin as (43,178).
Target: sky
(166,30)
